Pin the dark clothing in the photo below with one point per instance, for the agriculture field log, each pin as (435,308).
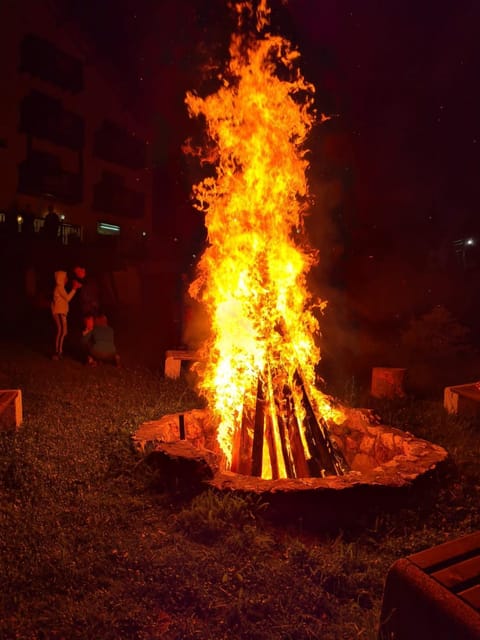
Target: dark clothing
(51,225)
(101,343)
(86,302)
(89,298)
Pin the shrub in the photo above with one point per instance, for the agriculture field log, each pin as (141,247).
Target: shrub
(436,334)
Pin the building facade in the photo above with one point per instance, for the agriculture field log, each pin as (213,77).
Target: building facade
(65,138)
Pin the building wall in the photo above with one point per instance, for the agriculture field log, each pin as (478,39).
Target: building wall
(92,101)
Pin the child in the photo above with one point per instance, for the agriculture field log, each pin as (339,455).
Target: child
(60,310)
(99,339)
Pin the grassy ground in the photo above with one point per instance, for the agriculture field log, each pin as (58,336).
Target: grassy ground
(89,550)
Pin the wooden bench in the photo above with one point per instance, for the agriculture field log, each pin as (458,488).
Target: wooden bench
(173,361)
(10,409)
(434,594)
(463,399)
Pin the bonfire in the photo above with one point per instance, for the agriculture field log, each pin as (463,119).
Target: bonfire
(258,365)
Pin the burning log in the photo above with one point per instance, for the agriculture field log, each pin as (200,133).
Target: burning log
(272,437)
(326,458)
(258,431)
(287,451)
(272,450)
(298,466)
(242,447)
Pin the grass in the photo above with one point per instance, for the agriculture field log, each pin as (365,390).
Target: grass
(89,550)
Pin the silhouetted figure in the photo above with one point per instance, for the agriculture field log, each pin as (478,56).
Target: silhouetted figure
(51,224)
(88,299)
(85,304)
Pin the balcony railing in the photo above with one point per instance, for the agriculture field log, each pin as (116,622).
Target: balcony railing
(67,233)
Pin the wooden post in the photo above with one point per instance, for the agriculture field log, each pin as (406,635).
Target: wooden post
(181,425)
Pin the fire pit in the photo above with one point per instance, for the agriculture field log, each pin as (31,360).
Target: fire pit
(385,465)
(272,429)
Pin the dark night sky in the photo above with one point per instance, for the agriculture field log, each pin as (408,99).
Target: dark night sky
(401,74)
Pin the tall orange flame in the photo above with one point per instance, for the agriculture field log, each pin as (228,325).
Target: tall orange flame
(252,275)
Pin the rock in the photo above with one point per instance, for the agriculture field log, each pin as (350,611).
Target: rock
(181,465)
(198,424)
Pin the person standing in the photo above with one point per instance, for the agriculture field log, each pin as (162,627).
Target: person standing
(84,305)
(60,305)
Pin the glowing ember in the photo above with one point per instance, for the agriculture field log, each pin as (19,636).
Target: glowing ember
(258,369)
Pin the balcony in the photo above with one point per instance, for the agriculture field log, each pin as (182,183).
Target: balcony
(41,175)
(44,117)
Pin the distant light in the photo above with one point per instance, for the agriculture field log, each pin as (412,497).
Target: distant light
(105,228)
(19,219)
(175,239)
(144,234)
(62,217)
(470,241)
